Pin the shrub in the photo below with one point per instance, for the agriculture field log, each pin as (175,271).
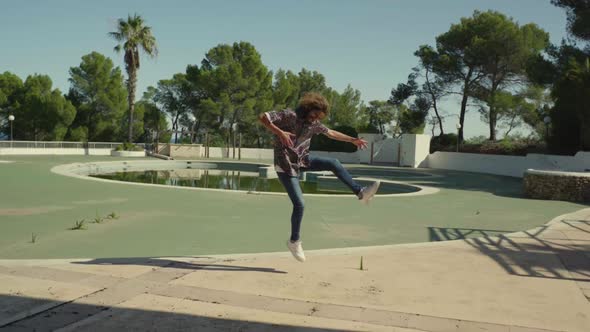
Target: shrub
(515,146)
(323,143)
(444,142)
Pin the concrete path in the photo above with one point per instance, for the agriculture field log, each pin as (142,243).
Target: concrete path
(538,280)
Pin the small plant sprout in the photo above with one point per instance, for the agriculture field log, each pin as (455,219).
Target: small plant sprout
(33,237)
(361,267)
(98,219)
(80,224)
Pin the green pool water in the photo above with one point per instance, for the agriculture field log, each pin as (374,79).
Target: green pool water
(215,179)
(237,180)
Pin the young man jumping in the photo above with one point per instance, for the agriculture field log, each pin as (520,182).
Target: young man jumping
(293,132)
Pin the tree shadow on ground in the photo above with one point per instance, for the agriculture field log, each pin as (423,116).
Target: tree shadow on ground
(77,316)
(541,253)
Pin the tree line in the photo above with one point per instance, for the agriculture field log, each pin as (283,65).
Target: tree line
(489,63)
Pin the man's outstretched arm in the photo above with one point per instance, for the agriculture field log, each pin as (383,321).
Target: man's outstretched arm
(336,135)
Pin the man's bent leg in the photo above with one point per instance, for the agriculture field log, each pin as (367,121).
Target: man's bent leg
(334,165)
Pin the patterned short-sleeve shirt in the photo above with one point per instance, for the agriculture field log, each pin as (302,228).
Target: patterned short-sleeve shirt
(291,159)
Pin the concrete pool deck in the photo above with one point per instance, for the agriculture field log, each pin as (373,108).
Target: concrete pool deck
(165,221)
(537,280)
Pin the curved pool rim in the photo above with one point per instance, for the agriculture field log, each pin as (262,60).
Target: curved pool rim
(84,170)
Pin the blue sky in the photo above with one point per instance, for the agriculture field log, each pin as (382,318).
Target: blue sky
(368,44)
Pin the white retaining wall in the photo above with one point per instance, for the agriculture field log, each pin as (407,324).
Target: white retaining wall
(247,153)
(386,151)
(506,165)
(54,151)
(262,154)
(185,150)
(409,150)
(414,150)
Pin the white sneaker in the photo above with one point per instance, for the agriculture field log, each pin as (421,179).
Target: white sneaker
(369,191)
(296,249)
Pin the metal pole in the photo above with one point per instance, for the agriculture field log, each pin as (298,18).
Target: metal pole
(458,131)
(240,149)
(11,134)
(371,159)
(234,145)
(207,145)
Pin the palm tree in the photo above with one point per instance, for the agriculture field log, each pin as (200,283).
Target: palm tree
(133,35)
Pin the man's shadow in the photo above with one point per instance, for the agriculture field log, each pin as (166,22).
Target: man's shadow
(170,263)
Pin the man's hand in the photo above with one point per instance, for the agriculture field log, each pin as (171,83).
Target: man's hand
(360,143)
(286,138)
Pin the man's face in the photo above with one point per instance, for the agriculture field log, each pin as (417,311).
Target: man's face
(315,115)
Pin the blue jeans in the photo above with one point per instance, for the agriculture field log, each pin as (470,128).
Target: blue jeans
(291,184)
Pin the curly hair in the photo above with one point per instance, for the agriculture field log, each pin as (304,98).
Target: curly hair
(312,101)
